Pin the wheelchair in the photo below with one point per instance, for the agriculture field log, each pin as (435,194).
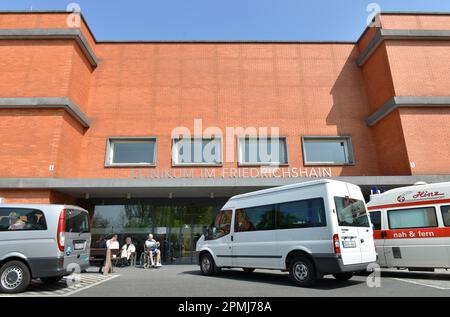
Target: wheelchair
(146,261)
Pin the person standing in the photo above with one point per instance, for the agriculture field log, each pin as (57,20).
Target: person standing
(111,244)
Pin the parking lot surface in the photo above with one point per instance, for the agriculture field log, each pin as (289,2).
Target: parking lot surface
(187,281)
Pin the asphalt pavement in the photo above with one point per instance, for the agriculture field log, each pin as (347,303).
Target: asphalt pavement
(187,281)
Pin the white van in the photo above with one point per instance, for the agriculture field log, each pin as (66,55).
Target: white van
(309,229)
(412,227)
(41,241)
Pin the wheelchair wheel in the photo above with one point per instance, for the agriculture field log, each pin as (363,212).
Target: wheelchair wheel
(143,260)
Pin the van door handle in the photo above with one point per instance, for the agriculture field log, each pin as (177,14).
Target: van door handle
(232,238)
(362,240)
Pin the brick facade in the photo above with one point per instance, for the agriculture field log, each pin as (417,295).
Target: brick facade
(147,89)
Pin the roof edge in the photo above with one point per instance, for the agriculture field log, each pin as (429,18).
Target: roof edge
(51,12)
(437,13)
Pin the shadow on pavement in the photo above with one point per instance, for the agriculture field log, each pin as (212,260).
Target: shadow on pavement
(278,279)
(417,275)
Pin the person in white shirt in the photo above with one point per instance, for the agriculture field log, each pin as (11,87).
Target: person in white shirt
(127,250)
(151,247)
(113,243)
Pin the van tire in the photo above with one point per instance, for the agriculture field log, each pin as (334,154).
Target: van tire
(51,280)
(16,269)
(343,276)
(208,266)
(248,270)
(302,271)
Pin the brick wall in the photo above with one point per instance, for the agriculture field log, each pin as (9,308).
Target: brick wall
(147,89)
(35,196)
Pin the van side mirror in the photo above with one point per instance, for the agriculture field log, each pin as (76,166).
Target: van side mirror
(205,231)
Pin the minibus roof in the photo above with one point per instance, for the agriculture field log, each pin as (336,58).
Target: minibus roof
(412,195)
(286,187)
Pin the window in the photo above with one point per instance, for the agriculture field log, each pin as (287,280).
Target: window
(221,225)
(255,219)
(301,214)
(259,151)
(197,151)
(327,150)
(412,218)
(21,219)
(77,221)
(375,218)
(446,215)
(131,152)
(351,212)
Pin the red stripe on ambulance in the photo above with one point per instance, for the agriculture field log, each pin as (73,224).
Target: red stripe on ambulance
(422,233)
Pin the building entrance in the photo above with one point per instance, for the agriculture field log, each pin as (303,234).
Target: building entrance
(177,225)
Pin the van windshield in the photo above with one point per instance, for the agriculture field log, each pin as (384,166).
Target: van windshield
(351,212)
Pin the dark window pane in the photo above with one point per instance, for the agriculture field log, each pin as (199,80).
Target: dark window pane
(264,151)
(351,212)
(133,152)
(254,219)
(18,219)
(412,218)
(446,215)
(192,151)
(77,221)
(375,218)
(327,151)
(301,214)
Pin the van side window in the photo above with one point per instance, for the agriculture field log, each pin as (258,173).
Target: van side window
(424,217)
(222,224)
(375,218)
(307,213)
(255,219)
(446,215)
(22,219)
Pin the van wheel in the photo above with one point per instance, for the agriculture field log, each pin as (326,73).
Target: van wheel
(343,276)
(51,280)
(302,271)
(208,266)
(248,270)
(14,277)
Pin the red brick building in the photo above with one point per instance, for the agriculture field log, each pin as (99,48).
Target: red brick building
(68,102)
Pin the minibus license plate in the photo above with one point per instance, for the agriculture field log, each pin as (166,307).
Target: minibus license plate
(349,244)
(79,246)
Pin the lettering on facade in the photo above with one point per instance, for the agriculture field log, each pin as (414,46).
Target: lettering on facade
(241,172)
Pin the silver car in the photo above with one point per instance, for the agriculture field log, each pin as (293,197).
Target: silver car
(41,241)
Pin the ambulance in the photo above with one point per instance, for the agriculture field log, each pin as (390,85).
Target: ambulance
(412,227)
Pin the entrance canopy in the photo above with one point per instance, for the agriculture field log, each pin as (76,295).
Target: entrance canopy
(195,187)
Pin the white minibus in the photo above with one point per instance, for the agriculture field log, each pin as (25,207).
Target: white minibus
(412,227)
(310,229)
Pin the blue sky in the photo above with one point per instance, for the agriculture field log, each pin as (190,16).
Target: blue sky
(334,20)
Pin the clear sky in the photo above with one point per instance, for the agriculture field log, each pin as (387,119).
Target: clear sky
(334,20)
